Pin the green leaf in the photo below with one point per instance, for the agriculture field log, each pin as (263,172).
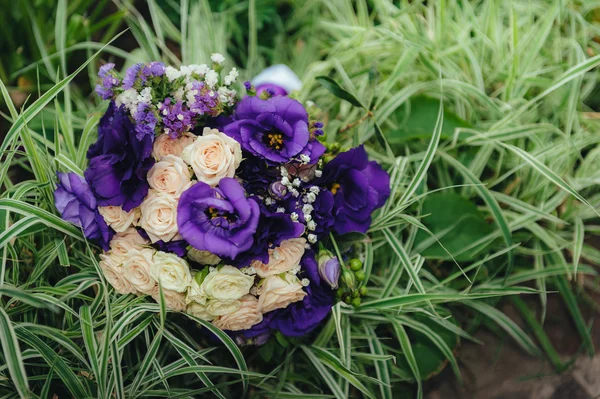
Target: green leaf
(338,91)
(419,122)
(12,355)
(455,221)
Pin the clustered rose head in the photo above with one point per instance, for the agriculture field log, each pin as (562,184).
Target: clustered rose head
(215,206)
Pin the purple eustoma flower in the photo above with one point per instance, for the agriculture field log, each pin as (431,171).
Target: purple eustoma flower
(76,203)
(275,129)
(359,187)
(272,89)
(329,268)
(119,161)
(220,220)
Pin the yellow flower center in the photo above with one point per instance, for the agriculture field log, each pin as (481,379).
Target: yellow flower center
(334,188)
(274,140)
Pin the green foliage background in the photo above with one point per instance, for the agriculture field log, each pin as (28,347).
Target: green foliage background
(483,112)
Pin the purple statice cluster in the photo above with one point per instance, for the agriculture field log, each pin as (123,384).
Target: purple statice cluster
(223,208)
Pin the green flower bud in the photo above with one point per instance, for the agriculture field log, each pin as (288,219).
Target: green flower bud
(356,264)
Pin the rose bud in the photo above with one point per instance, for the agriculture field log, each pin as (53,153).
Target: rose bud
(278,190)
(329,268)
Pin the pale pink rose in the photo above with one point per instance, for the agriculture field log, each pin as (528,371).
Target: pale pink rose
(164,145)
(281,259)
(277,292)
(226,283)
(113,272)
(170,175)
(136,268)
(126,241)
(304,172)
(203,257)
(171,271)
(173,299)
(118,219)
(199,310)
(242,319)
(212,156)
(159,216)
(217,307)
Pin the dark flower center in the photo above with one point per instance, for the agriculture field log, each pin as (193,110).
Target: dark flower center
(273,140)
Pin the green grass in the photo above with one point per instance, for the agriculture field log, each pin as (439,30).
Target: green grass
(482,112)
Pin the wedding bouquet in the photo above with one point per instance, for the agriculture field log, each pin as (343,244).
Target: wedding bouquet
(224,208)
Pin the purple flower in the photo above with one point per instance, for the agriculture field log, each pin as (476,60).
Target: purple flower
(176,118)
(119,161)
(272,89)
(76,204)
(145,121)
(256,174)
(322,213)
(329,268)
(151,70)
(275,129)
(359,187)
(131,75)
(206,100)
(272,229)
(109,82)
(220,220)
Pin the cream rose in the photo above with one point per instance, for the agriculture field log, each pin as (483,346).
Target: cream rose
(281,259)
(159,216)
(195,292)
(126,241)
(203,257)
(199,310)
(172,272)
(217,307)
(136,268)
(113,272)
(277,292)
(212,156)
(118,219)
(242,319)
(164,145)
(173,299)
(170,175)
(227,282)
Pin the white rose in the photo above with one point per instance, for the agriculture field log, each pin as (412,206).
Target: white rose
(113,272)
(170,175)
(203,257)
(277,292)
(173,299)
(199,310)
(165,145)
(126,241)
(217,307)
(227,282)
(212,156)
(242,319)
(136,268)
(171,271)
(159,216)
(118,219)
(281,259)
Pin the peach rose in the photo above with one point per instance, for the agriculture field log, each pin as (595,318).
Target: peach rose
(136,268)
(170,175)
(212,156)
(277,292)
(242,319)
(281,259)
(173,299)
(164,145)
(159,216)
(113,272)
(126,241)
(118,219)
